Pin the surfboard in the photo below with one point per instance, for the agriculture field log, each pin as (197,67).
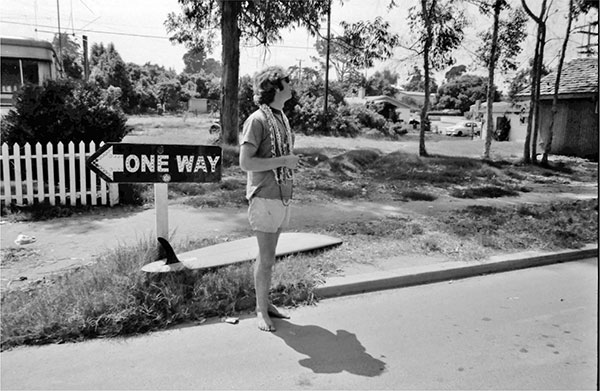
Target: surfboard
(237,251)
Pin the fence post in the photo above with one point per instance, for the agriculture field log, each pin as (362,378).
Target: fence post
(82,174)
(6,174)
(39,163)
(28,174)
(72,175)
(93,188)
(62,182)
(113,194)
(18,181)
(51,183)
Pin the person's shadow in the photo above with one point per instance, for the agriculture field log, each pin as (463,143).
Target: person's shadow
(328,352)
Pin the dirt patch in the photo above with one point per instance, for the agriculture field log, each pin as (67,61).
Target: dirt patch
(65,243)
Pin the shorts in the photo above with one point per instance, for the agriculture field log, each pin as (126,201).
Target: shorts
(268,215)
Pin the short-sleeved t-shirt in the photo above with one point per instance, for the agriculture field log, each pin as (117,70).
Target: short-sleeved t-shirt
(263,183)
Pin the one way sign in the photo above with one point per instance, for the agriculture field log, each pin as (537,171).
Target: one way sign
(157,163)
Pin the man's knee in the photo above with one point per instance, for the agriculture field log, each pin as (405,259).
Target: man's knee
(267,245)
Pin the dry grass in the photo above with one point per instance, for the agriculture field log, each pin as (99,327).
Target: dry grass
(111,297)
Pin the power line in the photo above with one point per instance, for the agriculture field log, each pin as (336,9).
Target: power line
(92,31)
(53,30)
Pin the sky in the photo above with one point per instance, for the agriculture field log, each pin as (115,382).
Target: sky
(136,28)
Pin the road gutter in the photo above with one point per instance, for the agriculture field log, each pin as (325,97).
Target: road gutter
(404,277)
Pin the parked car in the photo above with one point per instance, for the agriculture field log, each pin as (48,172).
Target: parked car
(464,128)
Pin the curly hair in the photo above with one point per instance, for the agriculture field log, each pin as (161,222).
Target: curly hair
(266,83)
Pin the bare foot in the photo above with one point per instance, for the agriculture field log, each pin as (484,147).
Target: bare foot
(264,322)
(276,313)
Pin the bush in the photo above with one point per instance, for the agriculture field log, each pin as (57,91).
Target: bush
(64,110)
(369,118)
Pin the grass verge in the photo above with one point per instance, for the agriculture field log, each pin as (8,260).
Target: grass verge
(112,297)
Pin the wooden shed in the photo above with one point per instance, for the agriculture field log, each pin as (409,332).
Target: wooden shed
(576,122)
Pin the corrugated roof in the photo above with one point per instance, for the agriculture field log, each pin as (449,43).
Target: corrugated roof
(579,76)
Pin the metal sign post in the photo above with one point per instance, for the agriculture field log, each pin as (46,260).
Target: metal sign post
(160,164)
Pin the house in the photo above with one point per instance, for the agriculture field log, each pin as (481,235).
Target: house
(198,105)
(402,110)
(576,122)
(514,112)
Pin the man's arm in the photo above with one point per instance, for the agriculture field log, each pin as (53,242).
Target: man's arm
(249,161)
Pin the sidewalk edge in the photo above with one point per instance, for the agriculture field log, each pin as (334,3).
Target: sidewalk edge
(398,278)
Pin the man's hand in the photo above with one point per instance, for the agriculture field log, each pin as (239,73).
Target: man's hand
(292,161)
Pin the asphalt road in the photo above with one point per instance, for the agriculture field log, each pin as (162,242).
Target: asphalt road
(528,329)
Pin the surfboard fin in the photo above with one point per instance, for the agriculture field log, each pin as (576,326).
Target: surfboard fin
(171,256)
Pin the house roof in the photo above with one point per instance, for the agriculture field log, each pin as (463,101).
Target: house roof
(376,99)
(499,107)
(578,77)
(414,94)
(388,99)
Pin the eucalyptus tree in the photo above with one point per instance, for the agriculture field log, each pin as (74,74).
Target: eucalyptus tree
(500,46)
(70,55)
(439,28)
(533,120)
(359,46)
(198,22)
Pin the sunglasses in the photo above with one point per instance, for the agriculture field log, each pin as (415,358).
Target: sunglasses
(286,79)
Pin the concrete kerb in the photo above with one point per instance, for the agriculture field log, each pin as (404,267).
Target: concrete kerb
(398,278)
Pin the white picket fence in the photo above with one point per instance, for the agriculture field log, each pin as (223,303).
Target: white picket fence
(52,175)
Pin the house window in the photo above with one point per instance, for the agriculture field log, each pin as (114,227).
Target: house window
(11,75)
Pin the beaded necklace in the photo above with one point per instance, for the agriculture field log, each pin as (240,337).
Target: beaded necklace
(279,147)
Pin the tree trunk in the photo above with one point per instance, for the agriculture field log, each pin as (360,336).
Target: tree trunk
(536,127)
(426,49)
(548,141)
(535,79)
(532,103)
(491,90)
(230,57)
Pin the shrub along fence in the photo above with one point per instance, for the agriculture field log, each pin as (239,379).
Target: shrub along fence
(55,176)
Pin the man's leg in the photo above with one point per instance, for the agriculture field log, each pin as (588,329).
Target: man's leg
(263,269)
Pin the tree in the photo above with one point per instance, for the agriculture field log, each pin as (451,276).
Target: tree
(530,148)
(261,21)
(523,79)
(500,45)
(440,30)
(416,82)
(194,60)
(109,69)
(454,72)
(70,55)
(382,83)
(462,92)
(548,141)
(368,41)
(519,82)
(339,57)
(213,67)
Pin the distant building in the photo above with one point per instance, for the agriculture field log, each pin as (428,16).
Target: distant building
(198,105)
(515,112)
(402,109)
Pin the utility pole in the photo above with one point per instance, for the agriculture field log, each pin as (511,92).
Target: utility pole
(299,70)
(86,64)
(60,58)
(327,56)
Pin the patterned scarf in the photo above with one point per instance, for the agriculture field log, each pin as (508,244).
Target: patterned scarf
(279,146)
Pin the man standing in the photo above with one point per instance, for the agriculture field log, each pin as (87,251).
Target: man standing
(266,154)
